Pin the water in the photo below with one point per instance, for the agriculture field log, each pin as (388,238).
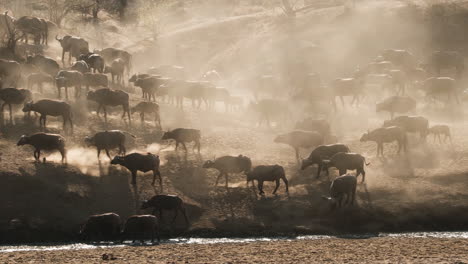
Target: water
(80,246)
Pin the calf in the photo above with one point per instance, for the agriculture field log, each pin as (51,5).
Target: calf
(140,162)
(47,107)
(165,202)
(69,78)
(184,135)
(318,125)
(149,86)
(386,135)
(411,124)
(116,70)
(211,95)
(323,152)
(101,226)
(268,173)
(94,61)
(347,87)
(135,77)
(341,186)
(95,80)
(45,64)
(438,130)
(39,79)
(137,226)
(108,140)
(80,66)
(147,108)
(107,97)
(440,60)
(44,141)
(268,109)
(229,164)
(396,104)
(347,161)
(300,139)
(438,86)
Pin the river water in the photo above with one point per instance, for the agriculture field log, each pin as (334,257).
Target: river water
(80,246)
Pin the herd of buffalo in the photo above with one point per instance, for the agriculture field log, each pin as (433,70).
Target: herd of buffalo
(393,79)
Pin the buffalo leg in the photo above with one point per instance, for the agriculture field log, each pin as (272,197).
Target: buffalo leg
(142,118)
(64,123)
(197,145)
(182,209)
(277,186)
(340,199)
(226,176)
(361,171)
(107,153)
(105,113)
(176,145)
(260,187)
(124,111)
(134,174)
(161,215)
(175,216)
(64,155)
(286,183)
(297,153)
(71,123)
(158,173)
(218,177)
(122,149)
(98,109)
(343,172)
(3,107)
(11,114)
(98,153)
(185,147)
(40,122)
(319,170)
(157,235)
(128,114)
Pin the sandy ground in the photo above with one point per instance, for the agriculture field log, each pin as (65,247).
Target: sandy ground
(372,250)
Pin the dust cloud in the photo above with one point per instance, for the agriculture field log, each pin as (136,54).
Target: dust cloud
(280,70)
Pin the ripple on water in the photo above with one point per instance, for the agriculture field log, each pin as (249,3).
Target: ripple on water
(193,240)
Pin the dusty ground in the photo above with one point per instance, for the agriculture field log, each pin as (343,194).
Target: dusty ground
(425,190)
(372,250)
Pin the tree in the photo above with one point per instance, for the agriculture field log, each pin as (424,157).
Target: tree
(58,10)
(12,39)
